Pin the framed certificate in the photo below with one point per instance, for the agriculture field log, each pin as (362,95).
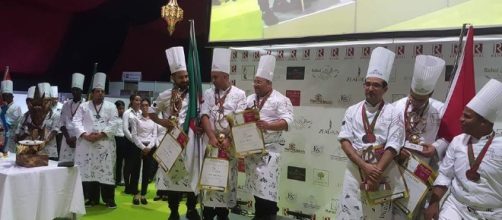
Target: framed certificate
(393,185)
(170,148)
(248,139)
(214,174)
(417,192)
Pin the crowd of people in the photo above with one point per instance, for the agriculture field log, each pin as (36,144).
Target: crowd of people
(110,143)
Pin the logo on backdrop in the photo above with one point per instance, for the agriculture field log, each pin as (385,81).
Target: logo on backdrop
(234,55)
(248,72)
(292,148)
(455,49)
(332,206)
(366,52)
(320,54)
(233,69)
(478,49)
(329,130)
(357,78)
(321,177)
(292,56)
(349,52)
(334,53)
(400,51)
(301,122)
(292,197)
(326,72)
(294,96)
(306,54)
(317,150)
(437,50)
(256,55)
(296,173)
(497,50)
(345,99)
(419,50)
(245,55)
(311,203)
(319,99)
(295,73)
(280,55)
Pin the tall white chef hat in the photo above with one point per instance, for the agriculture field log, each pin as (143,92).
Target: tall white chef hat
(380,65)
(77,80)
(31,92)
(221,60)
(266,67)
(99,81)
(7,86)
(176,59)
(54,91)
(45,90)
(426,73)
(488,100)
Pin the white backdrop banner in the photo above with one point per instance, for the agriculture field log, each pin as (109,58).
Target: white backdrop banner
(321,83)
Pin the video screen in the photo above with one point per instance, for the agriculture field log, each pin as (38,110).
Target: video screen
(243,20)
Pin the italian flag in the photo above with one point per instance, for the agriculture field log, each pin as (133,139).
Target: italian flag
(193,150)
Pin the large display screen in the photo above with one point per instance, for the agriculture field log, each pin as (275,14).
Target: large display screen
(246,20)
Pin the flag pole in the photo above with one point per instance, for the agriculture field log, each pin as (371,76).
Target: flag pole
(457,56)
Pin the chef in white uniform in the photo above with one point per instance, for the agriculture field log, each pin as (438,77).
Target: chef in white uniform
(219,102)
(371,122)
(276,115)
(10,113)
(173,104)
(70,107)
(472,166)
(96,122)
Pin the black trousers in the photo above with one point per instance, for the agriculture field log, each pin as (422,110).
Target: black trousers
(121,143)
(174,198)
(131,162)
(220,212)
(93,190)
(264,208)
(145,175)
(135,162)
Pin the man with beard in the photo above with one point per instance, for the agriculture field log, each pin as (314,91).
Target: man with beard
(219,102)
(70,107)
(173,104)
(96,122)
(472,166)
(421,115)
(369,125)
(276,114)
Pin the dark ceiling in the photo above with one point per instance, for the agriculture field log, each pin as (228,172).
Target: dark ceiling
(48,40)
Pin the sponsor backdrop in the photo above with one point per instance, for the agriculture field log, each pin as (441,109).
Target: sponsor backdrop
(321,83)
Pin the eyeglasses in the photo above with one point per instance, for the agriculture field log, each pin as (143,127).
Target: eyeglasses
(374,85)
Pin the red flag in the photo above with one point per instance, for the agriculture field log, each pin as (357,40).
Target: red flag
(462,90)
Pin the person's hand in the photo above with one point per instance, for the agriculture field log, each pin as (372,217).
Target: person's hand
(372,172)
(403,156)
(146,151)
(371,185)
(72,142)
(263,125)
(432,212)
(214,142)
(428,151)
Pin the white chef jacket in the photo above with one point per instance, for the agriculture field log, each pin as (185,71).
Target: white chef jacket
(389,131)
(96,160)
(68,110)
(487,193)
(262,171)
(235,102)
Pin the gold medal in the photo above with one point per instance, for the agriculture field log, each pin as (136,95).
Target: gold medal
(414,138)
